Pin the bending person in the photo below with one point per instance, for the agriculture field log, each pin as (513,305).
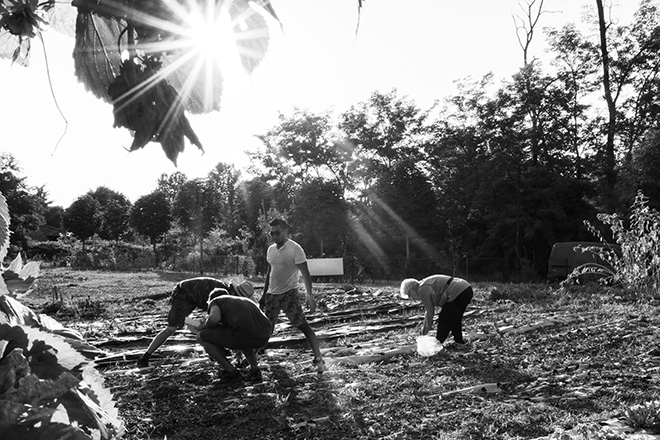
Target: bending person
(187,296)
(451,294)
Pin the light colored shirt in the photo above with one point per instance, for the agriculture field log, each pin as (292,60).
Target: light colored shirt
(284,274)
(443,293)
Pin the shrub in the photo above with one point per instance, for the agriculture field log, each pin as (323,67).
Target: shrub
(49,250)
(644,416)
(108,255)
(637,267)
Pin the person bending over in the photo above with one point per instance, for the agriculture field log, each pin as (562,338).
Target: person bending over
(187,296)
(451,294)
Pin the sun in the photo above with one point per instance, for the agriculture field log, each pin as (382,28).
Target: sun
(209,36)
(202,44)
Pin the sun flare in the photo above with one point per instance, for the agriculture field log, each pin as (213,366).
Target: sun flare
(203,43)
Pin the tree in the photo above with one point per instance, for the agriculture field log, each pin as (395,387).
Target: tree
(302,147)
(113,213)
(169,185)
(320,215)
(83,218)
(53,216)
(114,221)
(197,209)
(223,179)
(26,204)
(385,129)
(151,216)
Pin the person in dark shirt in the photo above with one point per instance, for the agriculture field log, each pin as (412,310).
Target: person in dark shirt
(235,323)
(187,296)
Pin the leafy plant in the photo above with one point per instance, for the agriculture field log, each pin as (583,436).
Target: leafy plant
(644,416)
(47,388)
(589,431)
(637,266)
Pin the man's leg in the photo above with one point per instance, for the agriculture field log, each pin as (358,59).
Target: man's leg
(272,310)
(175,318)
(290,303)
(214,341)
(251,357)
(155,343)
(312,340)
(217,355)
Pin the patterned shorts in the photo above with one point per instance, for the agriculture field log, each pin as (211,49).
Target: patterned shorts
(289,302)
(179,310)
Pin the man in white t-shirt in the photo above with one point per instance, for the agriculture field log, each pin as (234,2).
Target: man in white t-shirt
(286,261)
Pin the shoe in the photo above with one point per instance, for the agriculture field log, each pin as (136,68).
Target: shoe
(143,361)
(319,364)
(462,346)
(254,375)
(233,377)
(240,362)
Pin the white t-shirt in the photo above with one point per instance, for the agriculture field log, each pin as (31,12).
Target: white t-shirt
(284,273)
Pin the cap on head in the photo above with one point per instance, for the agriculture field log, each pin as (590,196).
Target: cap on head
(407,286)
(244,289)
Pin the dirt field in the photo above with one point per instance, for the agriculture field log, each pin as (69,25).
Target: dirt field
(542,360)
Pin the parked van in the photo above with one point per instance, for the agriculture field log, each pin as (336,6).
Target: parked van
(566,256)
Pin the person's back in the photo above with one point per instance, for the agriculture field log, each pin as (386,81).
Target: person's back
(187,296)
(242,314)
(196,290)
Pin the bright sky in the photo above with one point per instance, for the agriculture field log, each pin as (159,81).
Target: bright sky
(418,46)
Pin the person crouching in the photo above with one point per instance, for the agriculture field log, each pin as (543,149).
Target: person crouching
(235,323)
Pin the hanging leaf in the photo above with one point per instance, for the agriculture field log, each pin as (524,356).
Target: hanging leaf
(150,107)
(250,32)
(96,55)
(4,228)
(62,18)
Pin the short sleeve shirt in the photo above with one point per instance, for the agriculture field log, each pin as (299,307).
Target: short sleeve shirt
(284,274)
(196,290)
(439,286)
(242,315)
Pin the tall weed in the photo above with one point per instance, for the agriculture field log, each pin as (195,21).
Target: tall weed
(637,265)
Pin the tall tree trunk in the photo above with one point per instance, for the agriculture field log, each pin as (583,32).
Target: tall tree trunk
(201,255)
(609,163)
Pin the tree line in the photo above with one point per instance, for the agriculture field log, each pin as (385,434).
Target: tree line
(497,172)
